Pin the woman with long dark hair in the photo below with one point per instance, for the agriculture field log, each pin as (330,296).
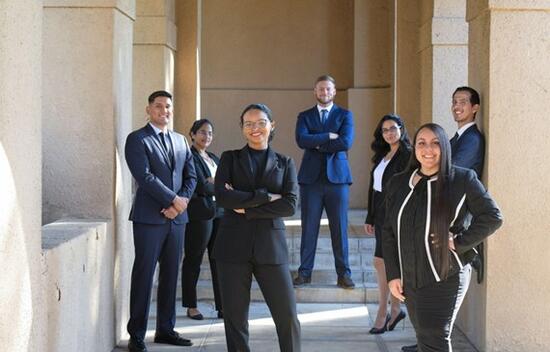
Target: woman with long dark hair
(392,150)
(257,187)
(200,232)
(435,214)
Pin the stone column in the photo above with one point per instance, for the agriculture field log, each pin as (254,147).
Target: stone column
(22,322)
(188,87)
(87,114)
(508,60)
(154,53)
(444,59)
(407,66)
(371,95)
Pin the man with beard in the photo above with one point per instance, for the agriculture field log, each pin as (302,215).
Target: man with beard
(325,133)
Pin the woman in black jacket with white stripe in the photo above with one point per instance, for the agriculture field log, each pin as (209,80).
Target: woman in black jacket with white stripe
(435,214)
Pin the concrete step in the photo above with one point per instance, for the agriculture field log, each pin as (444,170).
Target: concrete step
(321,276)
(312,293)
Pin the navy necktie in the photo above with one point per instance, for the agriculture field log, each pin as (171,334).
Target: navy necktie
(324,114)
(454,139)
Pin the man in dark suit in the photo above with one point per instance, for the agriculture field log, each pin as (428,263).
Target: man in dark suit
(325,132)
(468,150)
(162,165)
(468,144)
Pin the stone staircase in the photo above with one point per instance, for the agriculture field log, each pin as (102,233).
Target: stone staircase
(323,288)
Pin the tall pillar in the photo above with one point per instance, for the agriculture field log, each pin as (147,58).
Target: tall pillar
(22,322)
(187,80)
(407,65)
(371,95)
(444,58)
(508,62)
(154,53)
(87,114)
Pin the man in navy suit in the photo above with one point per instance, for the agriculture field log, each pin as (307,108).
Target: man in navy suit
(162,165)
(468,144)
(325,133)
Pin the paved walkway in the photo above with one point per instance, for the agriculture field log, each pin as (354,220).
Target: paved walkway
(325,328)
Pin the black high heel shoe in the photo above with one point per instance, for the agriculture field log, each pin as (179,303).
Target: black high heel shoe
(376,331)
(402,315)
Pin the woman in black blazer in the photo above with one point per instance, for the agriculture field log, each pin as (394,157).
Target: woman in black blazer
(435,214)
(257,187)
(200,232)
(392,150)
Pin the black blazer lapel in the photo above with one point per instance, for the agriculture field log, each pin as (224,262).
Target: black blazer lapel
(203,166)
(270,164)
(246,163)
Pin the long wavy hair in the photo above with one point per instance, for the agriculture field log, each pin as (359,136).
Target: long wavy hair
(379,145)
(441,207)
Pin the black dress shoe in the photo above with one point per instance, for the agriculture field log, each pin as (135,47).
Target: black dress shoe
(345,282)
(196,316)
(376,331)
(220,314)
(410,348)
(172,338)
(301,280)
(398,318)
(136,344)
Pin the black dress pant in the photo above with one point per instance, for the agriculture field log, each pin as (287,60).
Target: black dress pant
(162,244)
(199,235)
(276,285)
(433,309)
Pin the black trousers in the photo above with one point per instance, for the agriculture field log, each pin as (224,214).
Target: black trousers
(276,285)
(199,235)
(433,309)
(162,244)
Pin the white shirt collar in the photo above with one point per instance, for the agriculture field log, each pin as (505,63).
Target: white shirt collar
(464,128)
(328,108)
(156,129)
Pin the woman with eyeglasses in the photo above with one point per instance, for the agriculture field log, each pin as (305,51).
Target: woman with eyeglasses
(257,187)
(204,215)
(392,150)
(435,214)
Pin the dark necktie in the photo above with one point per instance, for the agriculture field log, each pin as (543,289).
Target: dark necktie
(454,139)
(324,114)
(163,140)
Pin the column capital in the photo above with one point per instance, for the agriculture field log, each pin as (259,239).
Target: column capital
(155,30)
(127,7)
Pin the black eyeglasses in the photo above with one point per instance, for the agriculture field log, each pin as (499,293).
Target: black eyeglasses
(392,129)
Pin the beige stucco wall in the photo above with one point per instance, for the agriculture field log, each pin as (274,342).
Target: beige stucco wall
(187,76)
(87,115)
(444,59)
(22,305)
(153,53)
(78,273)
(512,47)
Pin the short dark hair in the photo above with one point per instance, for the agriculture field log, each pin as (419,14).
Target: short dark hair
(263,108)
(325,78)
(379,145)
(198,124)
(158,93)
(474,95)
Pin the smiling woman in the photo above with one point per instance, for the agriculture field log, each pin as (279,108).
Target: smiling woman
(257,187)
(436,214)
